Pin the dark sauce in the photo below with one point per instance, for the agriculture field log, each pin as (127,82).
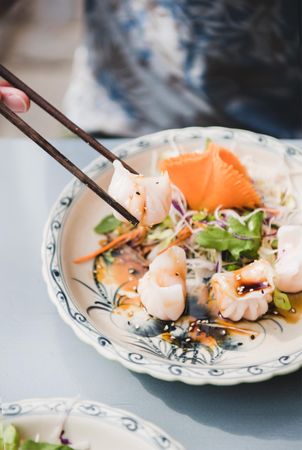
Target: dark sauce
(245,288)
(201,324)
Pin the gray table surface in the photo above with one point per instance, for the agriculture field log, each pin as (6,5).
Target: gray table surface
(40,356)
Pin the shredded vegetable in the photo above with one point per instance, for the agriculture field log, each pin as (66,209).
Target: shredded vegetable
(117,242)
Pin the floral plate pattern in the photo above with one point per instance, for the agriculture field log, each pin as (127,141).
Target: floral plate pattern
(89,422)
(93,309)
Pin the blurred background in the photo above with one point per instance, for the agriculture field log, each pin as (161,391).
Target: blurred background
(152,64)
(37,43)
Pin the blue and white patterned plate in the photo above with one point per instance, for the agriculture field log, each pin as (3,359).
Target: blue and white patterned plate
(86,424)
(97,311)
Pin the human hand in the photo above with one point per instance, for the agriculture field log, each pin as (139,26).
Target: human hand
(15,99)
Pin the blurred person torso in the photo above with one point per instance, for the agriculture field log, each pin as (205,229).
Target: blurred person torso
(155,64)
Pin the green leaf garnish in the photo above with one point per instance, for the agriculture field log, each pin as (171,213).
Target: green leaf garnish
(211,218)
(9,437)
(107,225)
(281,300)
(167,223)
(10,440)
(31,445)
(214,237)
(239,239)
(201,215)
(231,267)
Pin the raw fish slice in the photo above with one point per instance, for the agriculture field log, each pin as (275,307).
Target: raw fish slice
(187,172)
(211,179)
(229,187)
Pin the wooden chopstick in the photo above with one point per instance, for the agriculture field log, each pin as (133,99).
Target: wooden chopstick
(60,117)
(65,162)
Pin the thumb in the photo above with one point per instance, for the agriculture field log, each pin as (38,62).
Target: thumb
(15,99)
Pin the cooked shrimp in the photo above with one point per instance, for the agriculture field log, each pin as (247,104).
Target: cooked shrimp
(163,288)
(288,267)
(244,293)
(147,198)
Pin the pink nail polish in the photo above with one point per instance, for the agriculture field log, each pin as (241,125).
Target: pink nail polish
(16,103)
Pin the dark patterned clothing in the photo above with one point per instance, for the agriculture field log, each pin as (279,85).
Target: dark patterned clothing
(154,64)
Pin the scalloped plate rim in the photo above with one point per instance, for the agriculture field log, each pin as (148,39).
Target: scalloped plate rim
(40,401)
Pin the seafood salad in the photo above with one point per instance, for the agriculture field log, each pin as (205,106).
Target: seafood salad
(10,439)
(214,247)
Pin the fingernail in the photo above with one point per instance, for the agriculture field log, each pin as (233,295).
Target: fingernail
(16,103)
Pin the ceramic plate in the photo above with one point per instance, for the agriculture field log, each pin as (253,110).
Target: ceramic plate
(95,310)
(88,424)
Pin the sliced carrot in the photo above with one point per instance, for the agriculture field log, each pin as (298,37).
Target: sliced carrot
(184,234)
(211,179)
(120,240)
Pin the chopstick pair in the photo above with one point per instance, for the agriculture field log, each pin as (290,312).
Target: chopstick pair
(52,151)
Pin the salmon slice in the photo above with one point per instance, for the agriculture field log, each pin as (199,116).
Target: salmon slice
(211,179)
